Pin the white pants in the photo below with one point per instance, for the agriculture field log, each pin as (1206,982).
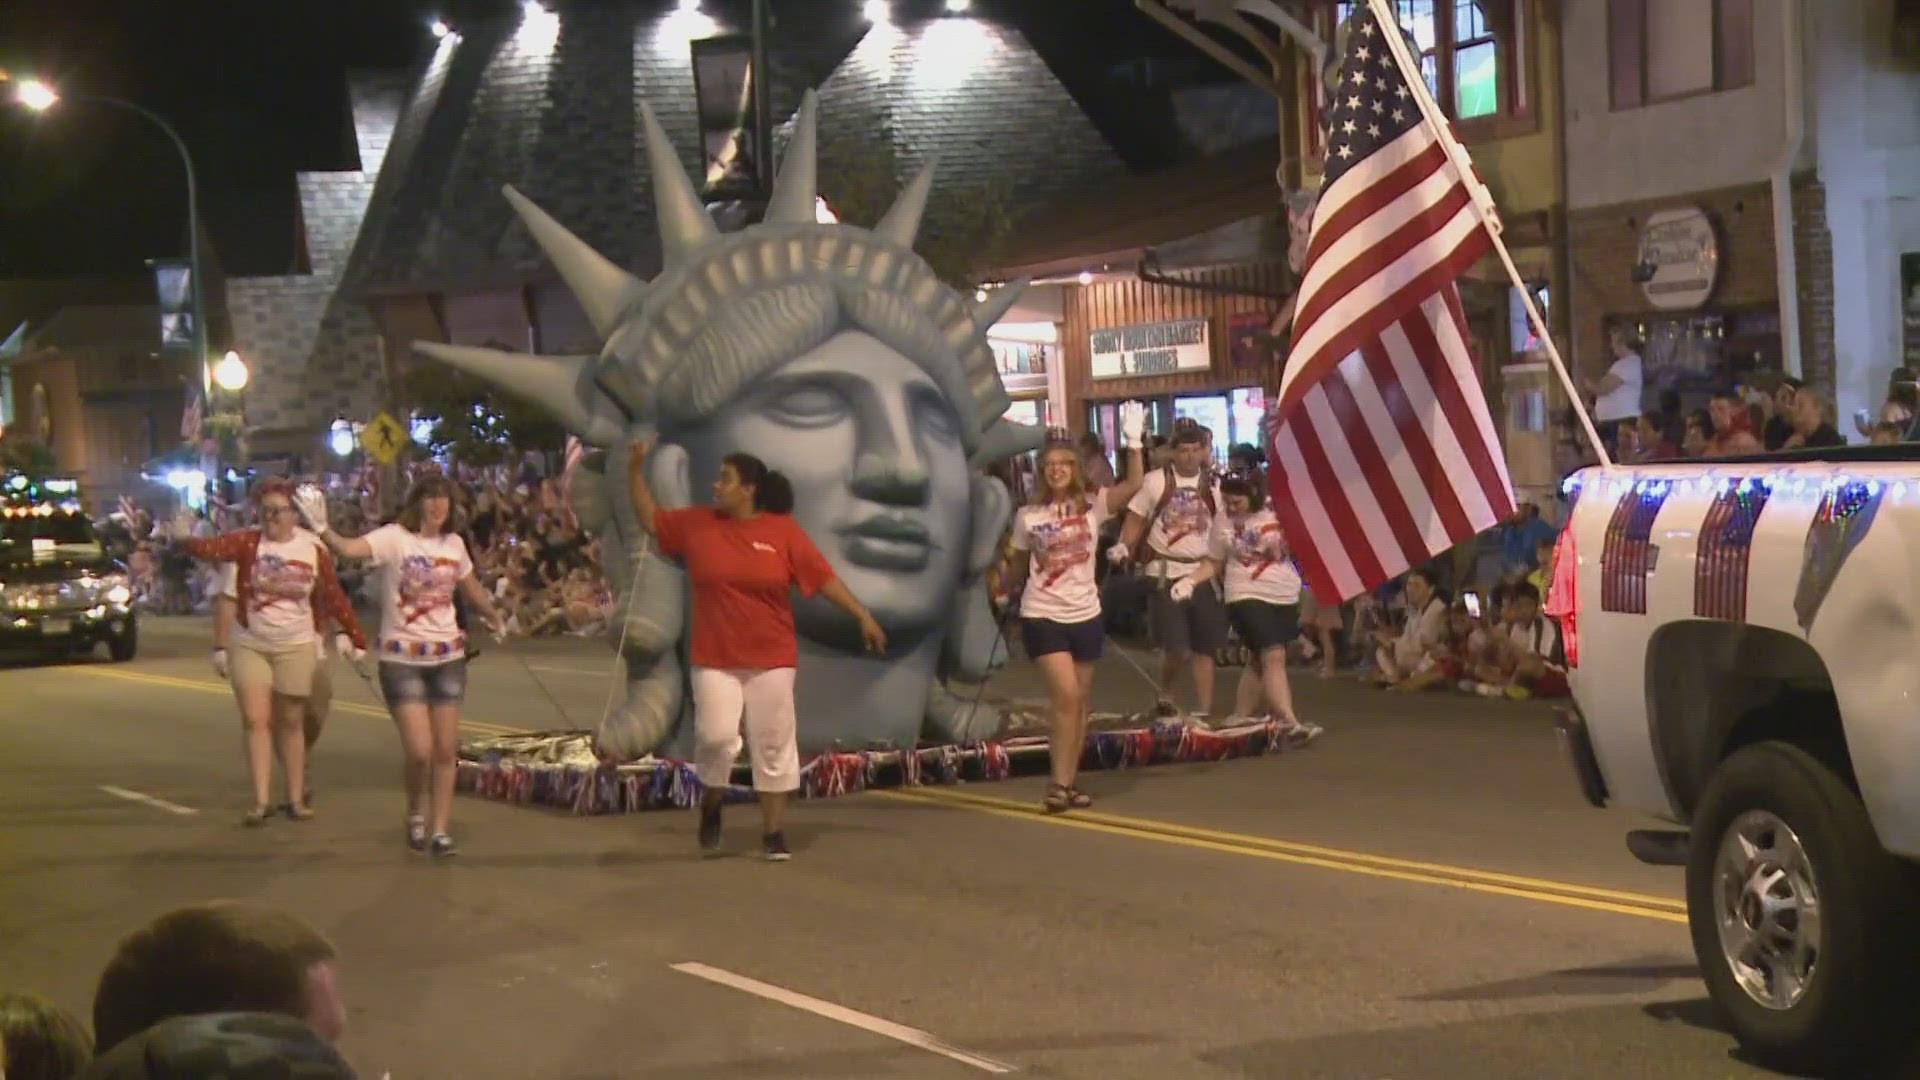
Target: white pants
(722,698)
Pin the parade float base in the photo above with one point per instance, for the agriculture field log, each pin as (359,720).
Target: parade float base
(558,769)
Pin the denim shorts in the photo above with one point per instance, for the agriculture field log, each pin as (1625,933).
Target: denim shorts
(432,684)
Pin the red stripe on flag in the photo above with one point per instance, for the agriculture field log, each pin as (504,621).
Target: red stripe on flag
(1385,249)
(1373,467)
(1326,487)
(1355,211)
(1482,450)
(1414,437)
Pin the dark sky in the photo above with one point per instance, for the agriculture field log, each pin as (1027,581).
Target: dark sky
(256,88)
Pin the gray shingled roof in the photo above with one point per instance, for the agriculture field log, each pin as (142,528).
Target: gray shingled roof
(969,92)
(562,127)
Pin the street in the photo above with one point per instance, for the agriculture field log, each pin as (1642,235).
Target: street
(1422,894)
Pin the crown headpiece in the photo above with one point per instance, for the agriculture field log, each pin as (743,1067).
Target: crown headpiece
(647,327)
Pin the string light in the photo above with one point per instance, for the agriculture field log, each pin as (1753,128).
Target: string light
(1792,481)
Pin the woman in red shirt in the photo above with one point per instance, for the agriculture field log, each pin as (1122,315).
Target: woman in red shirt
(744,555)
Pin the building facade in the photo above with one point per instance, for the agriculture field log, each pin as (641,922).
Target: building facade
(419,244)
(90,387)
(1704,173)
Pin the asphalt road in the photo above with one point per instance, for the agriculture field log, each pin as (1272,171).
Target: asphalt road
(1421,895)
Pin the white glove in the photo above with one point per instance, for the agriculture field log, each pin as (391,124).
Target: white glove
(179,525)
(1118,553)
(1182,590)
(312,504)
(1133,425)
(220,667)
(344,647)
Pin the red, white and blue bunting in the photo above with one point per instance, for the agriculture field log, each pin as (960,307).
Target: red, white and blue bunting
(558,769)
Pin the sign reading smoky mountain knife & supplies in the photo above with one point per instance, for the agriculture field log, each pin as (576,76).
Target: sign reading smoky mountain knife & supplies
(1130,352)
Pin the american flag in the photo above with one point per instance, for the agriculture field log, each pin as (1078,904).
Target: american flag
(1725,552)
(1384,453)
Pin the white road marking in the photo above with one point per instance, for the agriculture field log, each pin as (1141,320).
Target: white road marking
(135,796)
(850,1017)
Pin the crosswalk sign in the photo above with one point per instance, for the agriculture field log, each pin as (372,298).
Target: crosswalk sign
(383,439)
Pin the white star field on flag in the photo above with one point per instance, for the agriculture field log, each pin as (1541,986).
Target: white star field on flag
(1374,105)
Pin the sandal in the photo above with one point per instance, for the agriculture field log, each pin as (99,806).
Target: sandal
(1061,798)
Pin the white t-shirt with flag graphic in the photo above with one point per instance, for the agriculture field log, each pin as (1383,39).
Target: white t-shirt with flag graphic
(417,620)
(1184,529)
(1062,539)
(1254,553)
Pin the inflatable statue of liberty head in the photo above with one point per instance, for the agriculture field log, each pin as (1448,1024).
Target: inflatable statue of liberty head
(839,357)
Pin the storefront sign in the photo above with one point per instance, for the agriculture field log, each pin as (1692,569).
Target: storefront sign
(1679,260)
(1129,352)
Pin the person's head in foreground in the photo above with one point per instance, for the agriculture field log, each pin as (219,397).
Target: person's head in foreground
(223,956)
(39,1040)
(223,1046)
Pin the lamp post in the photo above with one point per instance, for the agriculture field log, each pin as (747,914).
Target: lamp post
(40,97)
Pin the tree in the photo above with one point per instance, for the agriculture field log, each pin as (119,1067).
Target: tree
(475,422)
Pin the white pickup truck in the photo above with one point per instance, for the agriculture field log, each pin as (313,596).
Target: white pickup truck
(1743,638)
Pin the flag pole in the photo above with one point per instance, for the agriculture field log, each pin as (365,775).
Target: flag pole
(1483,204)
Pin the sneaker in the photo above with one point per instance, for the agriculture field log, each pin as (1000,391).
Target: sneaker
(776,847)
(417,833)
(441,846)
(710,828)
(257,817)
(1301,733)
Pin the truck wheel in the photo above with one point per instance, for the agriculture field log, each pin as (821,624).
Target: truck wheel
(1795,911)
(122,646)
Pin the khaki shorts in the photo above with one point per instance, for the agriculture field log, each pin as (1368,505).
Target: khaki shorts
(288,672)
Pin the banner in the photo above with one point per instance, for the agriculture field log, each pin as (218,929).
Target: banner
(723,93)
(173,279)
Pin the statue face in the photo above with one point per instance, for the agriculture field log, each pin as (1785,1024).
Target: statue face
(880,477)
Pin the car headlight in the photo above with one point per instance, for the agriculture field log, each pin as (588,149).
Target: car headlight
(116,589)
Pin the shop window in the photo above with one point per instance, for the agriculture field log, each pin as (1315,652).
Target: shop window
(1019,357)
(1687,360)
(1659,51)
(1471,54)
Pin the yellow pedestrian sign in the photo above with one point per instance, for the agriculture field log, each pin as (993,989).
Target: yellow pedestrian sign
(383,438)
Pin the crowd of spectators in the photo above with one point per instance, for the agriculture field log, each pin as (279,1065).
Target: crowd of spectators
(541,566)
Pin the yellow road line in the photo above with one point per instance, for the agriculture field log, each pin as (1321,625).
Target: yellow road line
(208,687)
(1658,908)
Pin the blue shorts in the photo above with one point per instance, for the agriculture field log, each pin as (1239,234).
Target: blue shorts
(431,684)
(1082,640)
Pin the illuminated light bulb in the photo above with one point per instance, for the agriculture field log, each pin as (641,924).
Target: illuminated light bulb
(1900,490)
(875,11)
(440,28)
(1086,277)
(958,7)
(1873,487)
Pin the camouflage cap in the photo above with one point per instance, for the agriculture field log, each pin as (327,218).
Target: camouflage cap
(223,1046)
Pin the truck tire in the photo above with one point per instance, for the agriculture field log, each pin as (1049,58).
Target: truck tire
(1777,828)
(123,646)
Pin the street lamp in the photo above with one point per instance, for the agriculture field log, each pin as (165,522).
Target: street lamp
(231,373)
(40,97)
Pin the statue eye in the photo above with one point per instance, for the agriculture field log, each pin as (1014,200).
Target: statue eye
(936,418)
(808,405)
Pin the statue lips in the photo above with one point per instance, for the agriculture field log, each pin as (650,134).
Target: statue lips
(888,542)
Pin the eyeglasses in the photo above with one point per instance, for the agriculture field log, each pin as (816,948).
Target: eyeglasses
(276,508)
